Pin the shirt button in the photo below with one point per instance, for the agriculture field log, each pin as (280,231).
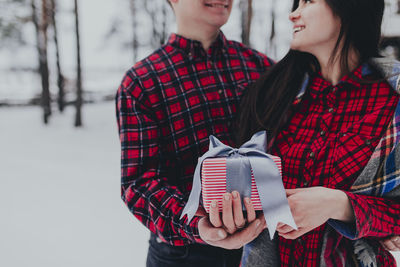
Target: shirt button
(312,154)
(334,89)
(220,91)
(322,133)
(158,240)
(368,142)
(330,110)
(306,183)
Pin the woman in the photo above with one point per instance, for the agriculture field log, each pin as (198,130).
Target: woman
(330,110)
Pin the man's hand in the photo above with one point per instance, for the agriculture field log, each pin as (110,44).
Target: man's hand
(392,243)
(231,231)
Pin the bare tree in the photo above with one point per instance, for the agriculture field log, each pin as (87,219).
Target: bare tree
(246,17)
(157,11)
(163,33)
(12,22)
(60,76)
(41,35)
(398,6)
(78,101)
(272,45)
(152,11)
(132,4)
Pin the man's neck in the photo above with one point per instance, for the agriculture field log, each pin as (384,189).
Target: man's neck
(205,36)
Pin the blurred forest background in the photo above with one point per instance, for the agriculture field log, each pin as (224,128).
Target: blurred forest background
(71,52)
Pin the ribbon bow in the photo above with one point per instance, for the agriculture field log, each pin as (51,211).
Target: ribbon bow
(240,162)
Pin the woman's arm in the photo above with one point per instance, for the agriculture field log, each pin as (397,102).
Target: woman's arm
(354,216)
(375,217)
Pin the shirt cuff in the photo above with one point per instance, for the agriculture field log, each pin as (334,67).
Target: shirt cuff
(362,213)
(345,229)
(192,231)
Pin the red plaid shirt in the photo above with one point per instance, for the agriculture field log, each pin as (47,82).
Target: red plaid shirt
(167,106)
(327,142)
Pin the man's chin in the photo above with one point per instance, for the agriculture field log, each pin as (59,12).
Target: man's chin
(218,22)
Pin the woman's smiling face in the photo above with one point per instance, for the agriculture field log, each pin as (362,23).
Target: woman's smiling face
(316,28)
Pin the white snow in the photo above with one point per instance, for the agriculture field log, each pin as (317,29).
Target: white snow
(60,194)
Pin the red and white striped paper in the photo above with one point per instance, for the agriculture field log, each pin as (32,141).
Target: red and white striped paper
(213,182)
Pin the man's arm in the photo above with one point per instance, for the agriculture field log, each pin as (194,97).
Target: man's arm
(147,194)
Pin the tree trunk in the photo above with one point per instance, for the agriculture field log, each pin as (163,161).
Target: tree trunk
(78,102)
(60,77)
(164,23)
(247,15)
(151,9)
(134,29)
(398,6)
(41,35)
(272,46)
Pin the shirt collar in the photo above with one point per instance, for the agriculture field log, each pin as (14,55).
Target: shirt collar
(194,48)
(353,79)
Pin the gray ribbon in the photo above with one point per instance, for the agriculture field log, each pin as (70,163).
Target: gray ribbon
(240,162)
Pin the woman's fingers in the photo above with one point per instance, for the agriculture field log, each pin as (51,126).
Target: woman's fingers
(215,217)
(232,212)
(227,213)
(238,211)
(396,242)
(391,244)
(251,213)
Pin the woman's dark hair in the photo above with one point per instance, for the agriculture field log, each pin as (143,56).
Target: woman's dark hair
(266,104)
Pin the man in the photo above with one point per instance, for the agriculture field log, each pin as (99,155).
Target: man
(167,106)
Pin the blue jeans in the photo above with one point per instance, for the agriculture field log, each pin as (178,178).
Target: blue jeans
(164,255)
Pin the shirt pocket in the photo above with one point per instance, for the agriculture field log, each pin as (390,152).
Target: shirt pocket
(352,152)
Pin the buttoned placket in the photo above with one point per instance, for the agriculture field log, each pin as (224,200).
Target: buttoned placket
(329,99)
(221,90)
(211,68)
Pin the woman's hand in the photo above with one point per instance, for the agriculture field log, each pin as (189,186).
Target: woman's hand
(312,207)
(232,213)
(391,243)
(231,231)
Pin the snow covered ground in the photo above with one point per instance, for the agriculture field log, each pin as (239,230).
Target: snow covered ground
(59,192)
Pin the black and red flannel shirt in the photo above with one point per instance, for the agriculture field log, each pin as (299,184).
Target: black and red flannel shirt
(167,106)
(327,142)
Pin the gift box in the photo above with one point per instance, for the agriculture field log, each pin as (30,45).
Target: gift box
(213,182)
(248,170)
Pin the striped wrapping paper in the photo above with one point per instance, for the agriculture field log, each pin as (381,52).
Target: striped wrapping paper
(213,182)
